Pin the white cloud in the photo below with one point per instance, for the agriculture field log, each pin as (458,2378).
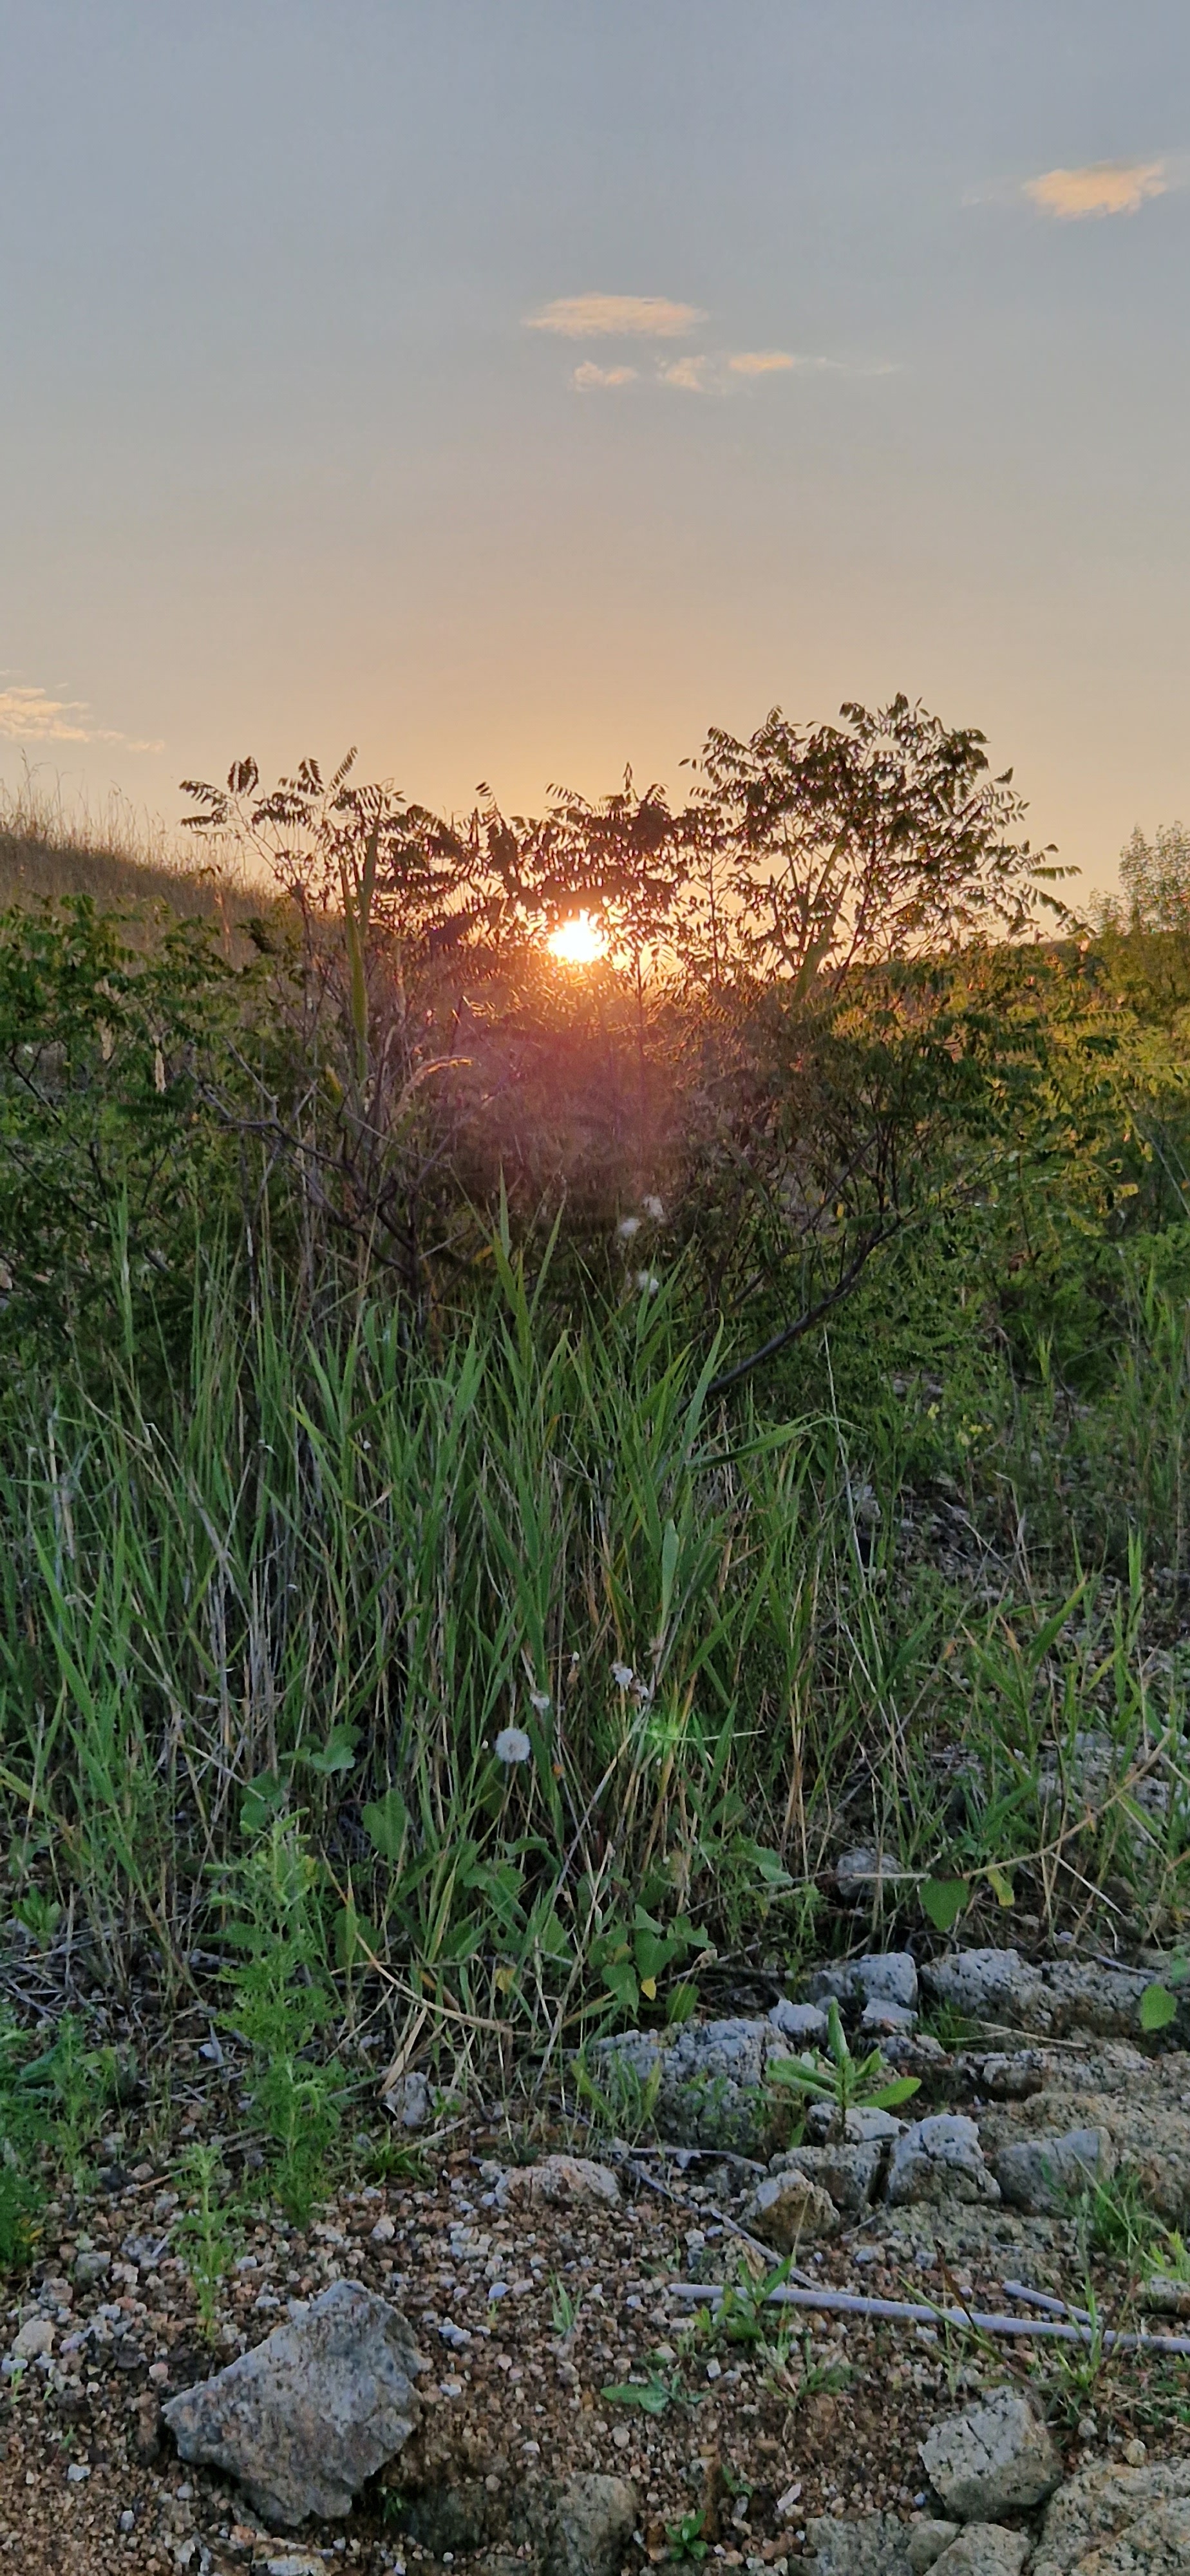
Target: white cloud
(587,378)
(1103,188)
(604,317)
(29,715)
(688,374)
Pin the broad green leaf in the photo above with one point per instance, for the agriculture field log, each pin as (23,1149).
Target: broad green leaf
(1157,2008)
(337,1754)
(1001,1885)
(650,2395)
(902,2089)
(943,1900)
(386,1823)
(620,1979)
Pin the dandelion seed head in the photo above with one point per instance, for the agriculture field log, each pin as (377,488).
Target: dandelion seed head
(654,1209)
(627,1227)
(623,1676)
(512,1745)
(648,1282)
(540,1700)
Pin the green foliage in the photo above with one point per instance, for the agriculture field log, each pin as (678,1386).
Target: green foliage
(53,2102)
(848,2083)
(282,2001)
(203,2233)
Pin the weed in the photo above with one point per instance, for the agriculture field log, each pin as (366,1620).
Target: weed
(651,2395)
(280,2003)
(685,2537)
(1114,2218)
(848,2083)
(203,2234)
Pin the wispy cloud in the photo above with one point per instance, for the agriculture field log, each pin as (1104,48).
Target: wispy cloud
(1103,188)
(766,362)
(589,378)
(606,317)
(688,374)
(30,715)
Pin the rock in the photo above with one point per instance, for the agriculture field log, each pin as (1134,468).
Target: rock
(90,2266)
(927,2540)
(305,2417)
(33,2340)
(804,2024)
(790,2209)
(1007,2076)
(883,1976)
(591,2526)
(985,2549)
(1104,2505)
(986,1985)
(849,2173)
(410,2102)
(880,2020)
(858,1872)
(710,2079)
(940,2159)
(1063,1996)
(996,2458)
(1043,2175)
(877,2546)
(560,2181)
(859,2128)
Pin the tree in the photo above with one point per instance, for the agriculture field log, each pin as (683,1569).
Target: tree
(883,837)
(1155,876)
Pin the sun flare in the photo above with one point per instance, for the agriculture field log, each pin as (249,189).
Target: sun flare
(577,942)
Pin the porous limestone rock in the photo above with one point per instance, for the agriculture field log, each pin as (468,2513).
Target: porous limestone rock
(562,2182)
(994,2458)
(940,2159)
(1108,2519)
(791,2209)
(1043,2175)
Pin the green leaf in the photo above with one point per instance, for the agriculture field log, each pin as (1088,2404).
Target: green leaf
(263,1799)
(902,2089)
(386,1823)
(943,1900)
(1157,2008)
(1001,1884)
(620,1979)
(652,2396)
(337,1754)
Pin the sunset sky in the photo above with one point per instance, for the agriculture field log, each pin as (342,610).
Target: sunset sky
(517,387)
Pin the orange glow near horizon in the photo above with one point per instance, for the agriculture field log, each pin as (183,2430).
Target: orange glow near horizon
(577,942)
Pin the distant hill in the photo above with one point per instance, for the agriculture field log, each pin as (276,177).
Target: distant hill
(42,861)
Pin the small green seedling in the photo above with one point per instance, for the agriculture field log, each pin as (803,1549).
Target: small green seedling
(850,2083)
(685,2537)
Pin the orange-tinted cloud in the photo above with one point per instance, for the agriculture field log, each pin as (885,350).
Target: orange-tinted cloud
(29,715)
(688,374)
(766,362)
(1103,188)
(589,378)
(604,317)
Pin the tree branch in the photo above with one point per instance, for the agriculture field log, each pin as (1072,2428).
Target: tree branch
(813,1314)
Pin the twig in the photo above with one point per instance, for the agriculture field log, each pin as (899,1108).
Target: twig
(847,2303)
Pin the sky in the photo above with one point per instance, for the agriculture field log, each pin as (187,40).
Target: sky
(516,388)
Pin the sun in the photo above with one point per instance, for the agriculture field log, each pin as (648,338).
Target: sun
(577,942)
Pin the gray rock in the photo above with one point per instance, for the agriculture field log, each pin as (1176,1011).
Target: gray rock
(858,1872)
(791,2209)
(711,2082)
(860,2127)
(876,2546)
(303,2419)
(880,2020)
(1104,2506)
(449,2518)
(985,2549)
(1063,1996)
(91,2266)
(940,2159)
(560,2182)
(882,1976)
(1043,2175)
(988,1985)
(1007,2076)
(927,2540)
(410,2102)
(850,2173)
(804,2024)
(995,2458)
(591,2526)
